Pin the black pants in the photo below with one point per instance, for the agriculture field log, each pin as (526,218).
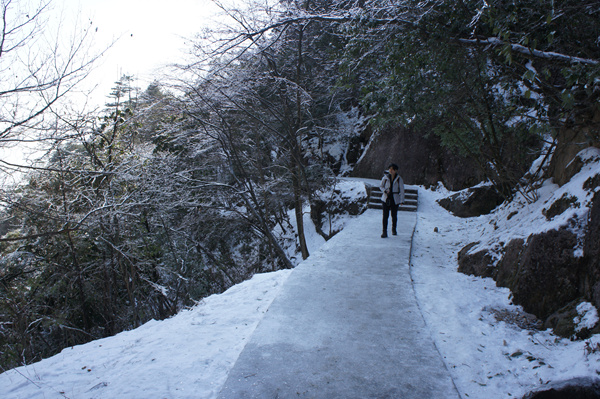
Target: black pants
(387,207)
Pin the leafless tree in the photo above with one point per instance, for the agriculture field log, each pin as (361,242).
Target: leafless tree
(41,61)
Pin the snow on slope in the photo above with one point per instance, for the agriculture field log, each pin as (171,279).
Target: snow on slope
(186,356)
(189,355)
(529,218)
(487,358)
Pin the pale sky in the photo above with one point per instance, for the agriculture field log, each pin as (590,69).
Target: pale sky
(150,34)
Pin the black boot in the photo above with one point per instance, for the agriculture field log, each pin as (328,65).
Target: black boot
(384,235)
(394,232)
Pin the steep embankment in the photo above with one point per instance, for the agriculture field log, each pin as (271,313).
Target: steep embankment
(547,251)
(492,348)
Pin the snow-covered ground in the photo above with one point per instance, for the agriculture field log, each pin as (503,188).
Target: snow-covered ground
(486,357)
(189,355)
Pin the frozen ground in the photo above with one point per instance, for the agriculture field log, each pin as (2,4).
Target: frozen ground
(190,355)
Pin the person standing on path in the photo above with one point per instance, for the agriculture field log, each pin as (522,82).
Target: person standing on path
(392,188)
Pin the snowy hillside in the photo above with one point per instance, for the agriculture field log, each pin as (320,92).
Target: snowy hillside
(473,323)
(530,218)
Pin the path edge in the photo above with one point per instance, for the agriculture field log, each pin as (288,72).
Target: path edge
(412,283)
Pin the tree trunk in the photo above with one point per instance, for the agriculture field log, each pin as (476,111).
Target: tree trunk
(267,231)
(296,153)
(299,214)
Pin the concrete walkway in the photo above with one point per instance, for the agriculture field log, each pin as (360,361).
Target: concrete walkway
(345,325)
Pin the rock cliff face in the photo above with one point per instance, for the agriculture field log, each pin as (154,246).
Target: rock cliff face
(545,273)
(421,160)
(570,141)
(476,201)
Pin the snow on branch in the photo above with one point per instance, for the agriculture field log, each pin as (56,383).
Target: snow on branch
(550,55)
(321,18)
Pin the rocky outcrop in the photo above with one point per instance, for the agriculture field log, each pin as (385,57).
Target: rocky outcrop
(475,201)
(560,205)
(570,141)
(544,274)
(591,250)
(576,388)
(477,264)
(324,209)
(421,159)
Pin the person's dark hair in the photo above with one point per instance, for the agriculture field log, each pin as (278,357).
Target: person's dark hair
(393,166)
